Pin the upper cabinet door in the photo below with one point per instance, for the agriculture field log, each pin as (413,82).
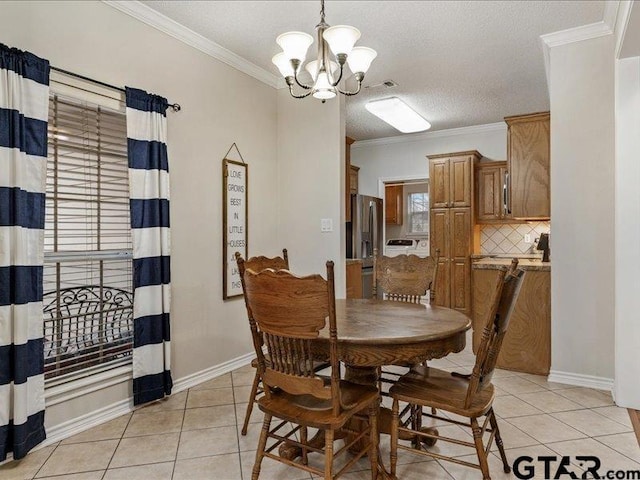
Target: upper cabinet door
(393,206)
(528,157)
(489,194)
(439,183)
(460,176)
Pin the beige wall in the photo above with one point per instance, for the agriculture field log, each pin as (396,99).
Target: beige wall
(627,258)
(220,105)
(582,207)
(310,183)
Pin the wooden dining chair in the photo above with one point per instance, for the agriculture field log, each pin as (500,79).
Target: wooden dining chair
(288,313)
(470,396)
(404,278)
(257,264)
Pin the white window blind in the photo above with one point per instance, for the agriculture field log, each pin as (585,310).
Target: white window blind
(87,274)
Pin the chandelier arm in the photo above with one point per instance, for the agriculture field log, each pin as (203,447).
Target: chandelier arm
(359,77)
(335,84)
(351,93)
(297,96)
(301,85)
(295,64)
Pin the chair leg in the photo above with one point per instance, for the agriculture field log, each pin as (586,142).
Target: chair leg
(503,455)
(303,441)
(261,445)
(328,454)
(373,440)
(394,436)
(477,437)
(252,399)
(416,424)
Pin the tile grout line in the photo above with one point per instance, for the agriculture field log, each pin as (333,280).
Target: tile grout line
(46,460)
(184,414)
(235,412)
(119,440)
(614,449)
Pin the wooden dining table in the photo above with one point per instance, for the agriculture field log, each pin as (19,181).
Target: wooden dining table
(373,333)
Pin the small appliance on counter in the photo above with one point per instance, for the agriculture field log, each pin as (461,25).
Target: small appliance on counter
(543,244)
(407,246)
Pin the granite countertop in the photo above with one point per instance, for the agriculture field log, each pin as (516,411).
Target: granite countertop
(523,263)
(475,256)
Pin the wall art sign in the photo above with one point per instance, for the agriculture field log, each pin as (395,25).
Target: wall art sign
(234,223)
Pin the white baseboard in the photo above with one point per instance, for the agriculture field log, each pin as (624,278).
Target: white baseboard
(88,420)
(212,372)
(77,425)
(580,380)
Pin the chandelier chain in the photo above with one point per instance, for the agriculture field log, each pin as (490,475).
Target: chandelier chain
(322,11)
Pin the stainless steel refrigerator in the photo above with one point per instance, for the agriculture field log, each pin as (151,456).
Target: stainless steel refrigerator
(364,234)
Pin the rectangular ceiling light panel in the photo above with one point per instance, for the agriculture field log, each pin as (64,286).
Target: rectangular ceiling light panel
(398,114)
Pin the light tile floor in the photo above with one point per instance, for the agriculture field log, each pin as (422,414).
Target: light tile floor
(196,435)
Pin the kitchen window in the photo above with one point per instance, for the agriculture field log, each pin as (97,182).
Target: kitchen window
(88,295)
(418,213)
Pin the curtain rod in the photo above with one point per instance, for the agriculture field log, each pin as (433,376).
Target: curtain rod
(174,106)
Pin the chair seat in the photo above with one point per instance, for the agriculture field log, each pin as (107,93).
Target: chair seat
(317,413)
(439,389)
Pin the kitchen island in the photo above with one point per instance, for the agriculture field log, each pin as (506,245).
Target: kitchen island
(527,345)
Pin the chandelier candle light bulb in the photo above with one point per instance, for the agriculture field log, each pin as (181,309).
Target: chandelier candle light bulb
(325,73)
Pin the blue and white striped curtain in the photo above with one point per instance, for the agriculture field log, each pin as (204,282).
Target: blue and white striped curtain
(24,103)
(149,200)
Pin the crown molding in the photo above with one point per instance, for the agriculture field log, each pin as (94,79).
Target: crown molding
(621,22)
(166,25)
(576,34)
(420,137)
(611,8)
(572,35)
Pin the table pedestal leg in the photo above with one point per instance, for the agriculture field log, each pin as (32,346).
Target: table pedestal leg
(361,376)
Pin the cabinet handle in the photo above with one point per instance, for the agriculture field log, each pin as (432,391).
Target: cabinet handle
(508,192)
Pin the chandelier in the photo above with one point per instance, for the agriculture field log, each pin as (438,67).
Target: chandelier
(325,73)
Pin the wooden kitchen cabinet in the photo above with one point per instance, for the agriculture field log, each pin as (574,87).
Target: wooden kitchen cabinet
(439,183)
(354,278)
(440,243)
(528,157)
(527,344)
(348,179)
(450,179)
(393,204)
(353,179)
(453,233)
(490,188)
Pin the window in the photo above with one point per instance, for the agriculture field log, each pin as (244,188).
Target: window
(87,273)
(418,212)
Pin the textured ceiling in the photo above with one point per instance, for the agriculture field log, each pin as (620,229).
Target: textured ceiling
(458,63)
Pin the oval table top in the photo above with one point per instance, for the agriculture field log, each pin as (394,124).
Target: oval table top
(375,332)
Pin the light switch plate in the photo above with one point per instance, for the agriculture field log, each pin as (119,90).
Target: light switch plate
(527,238)
(326,225)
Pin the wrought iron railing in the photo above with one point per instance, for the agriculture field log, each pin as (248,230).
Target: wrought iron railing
(85,327)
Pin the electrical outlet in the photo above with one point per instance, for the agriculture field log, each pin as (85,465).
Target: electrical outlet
(527,238)
(326,225)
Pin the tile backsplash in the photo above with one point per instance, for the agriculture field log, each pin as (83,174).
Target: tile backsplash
(509,238)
